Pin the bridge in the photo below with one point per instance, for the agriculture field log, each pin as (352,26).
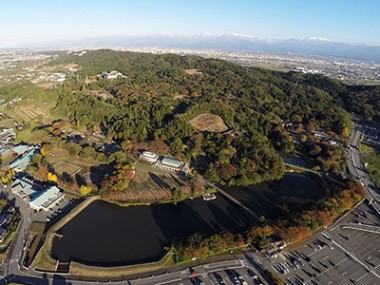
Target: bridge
(236,201)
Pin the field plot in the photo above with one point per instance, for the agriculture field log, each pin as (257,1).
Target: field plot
(152,184)
(28,113)
(209,122)
(65,167)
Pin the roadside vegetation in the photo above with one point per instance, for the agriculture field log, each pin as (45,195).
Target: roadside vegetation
(294,226)
(371,160)
(10,221)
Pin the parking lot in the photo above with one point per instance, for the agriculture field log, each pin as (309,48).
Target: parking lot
(238,276)
(336,256)
(371,135)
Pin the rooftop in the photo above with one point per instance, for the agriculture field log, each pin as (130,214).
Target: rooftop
(22,162)
(23,187)
(149,154)
(171,162)
(20,149)
(46,198)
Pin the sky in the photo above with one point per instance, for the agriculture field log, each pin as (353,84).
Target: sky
(34,21)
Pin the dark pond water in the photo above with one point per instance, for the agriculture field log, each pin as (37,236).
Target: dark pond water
(294,159)
(106,234)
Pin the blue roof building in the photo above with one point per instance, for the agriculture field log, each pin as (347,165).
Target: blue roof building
(21,148)
(20,163)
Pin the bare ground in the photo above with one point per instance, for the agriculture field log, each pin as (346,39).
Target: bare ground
(209,122)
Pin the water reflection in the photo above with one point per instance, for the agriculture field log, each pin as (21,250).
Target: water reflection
(106,234)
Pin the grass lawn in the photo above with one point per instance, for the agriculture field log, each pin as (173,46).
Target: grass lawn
(93,271)
(65,167)
(152,183)
(371,159)
(70,163)
(372,165)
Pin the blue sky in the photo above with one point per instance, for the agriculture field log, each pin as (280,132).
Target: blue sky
(352,21)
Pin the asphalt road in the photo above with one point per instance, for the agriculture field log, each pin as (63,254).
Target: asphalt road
(356,166)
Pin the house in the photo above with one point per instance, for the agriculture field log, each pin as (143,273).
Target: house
(7,134)
(149,156)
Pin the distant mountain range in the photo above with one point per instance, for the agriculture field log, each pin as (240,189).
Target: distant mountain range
(233,42)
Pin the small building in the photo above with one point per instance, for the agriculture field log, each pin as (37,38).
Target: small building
(20,163)
(20,149)
(7,134)
(39,198)
(46,199)
(149,156)
(172,164)
(24,187)
(111,75)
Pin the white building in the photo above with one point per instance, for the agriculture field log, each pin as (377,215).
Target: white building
(46,199)
(172,164)
(39,199)
(149,156)
(112,75)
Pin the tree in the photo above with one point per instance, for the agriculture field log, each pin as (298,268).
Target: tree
(227,171)
(52,177)
(85,190)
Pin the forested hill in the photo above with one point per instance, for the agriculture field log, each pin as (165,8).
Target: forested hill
(162,93)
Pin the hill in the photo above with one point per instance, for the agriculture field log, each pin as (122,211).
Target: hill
(209,122)
(152,104)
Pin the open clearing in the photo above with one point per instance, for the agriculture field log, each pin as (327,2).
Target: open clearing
(65,167)
(209,122)
(193,71)
(152,184)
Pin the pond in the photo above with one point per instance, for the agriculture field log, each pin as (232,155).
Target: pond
(106,234)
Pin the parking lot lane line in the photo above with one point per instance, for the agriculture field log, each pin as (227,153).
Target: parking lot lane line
(356,259)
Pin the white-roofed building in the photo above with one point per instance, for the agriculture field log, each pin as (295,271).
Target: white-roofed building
(172,164)
(46,199)
(149,156)
(39,198)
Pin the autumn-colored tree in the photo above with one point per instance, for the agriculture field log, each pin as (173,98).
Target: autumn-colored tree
(227,171)
(51,177)
(295,234)
(85,190)
(43,171)
(7,176)
(56,132)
